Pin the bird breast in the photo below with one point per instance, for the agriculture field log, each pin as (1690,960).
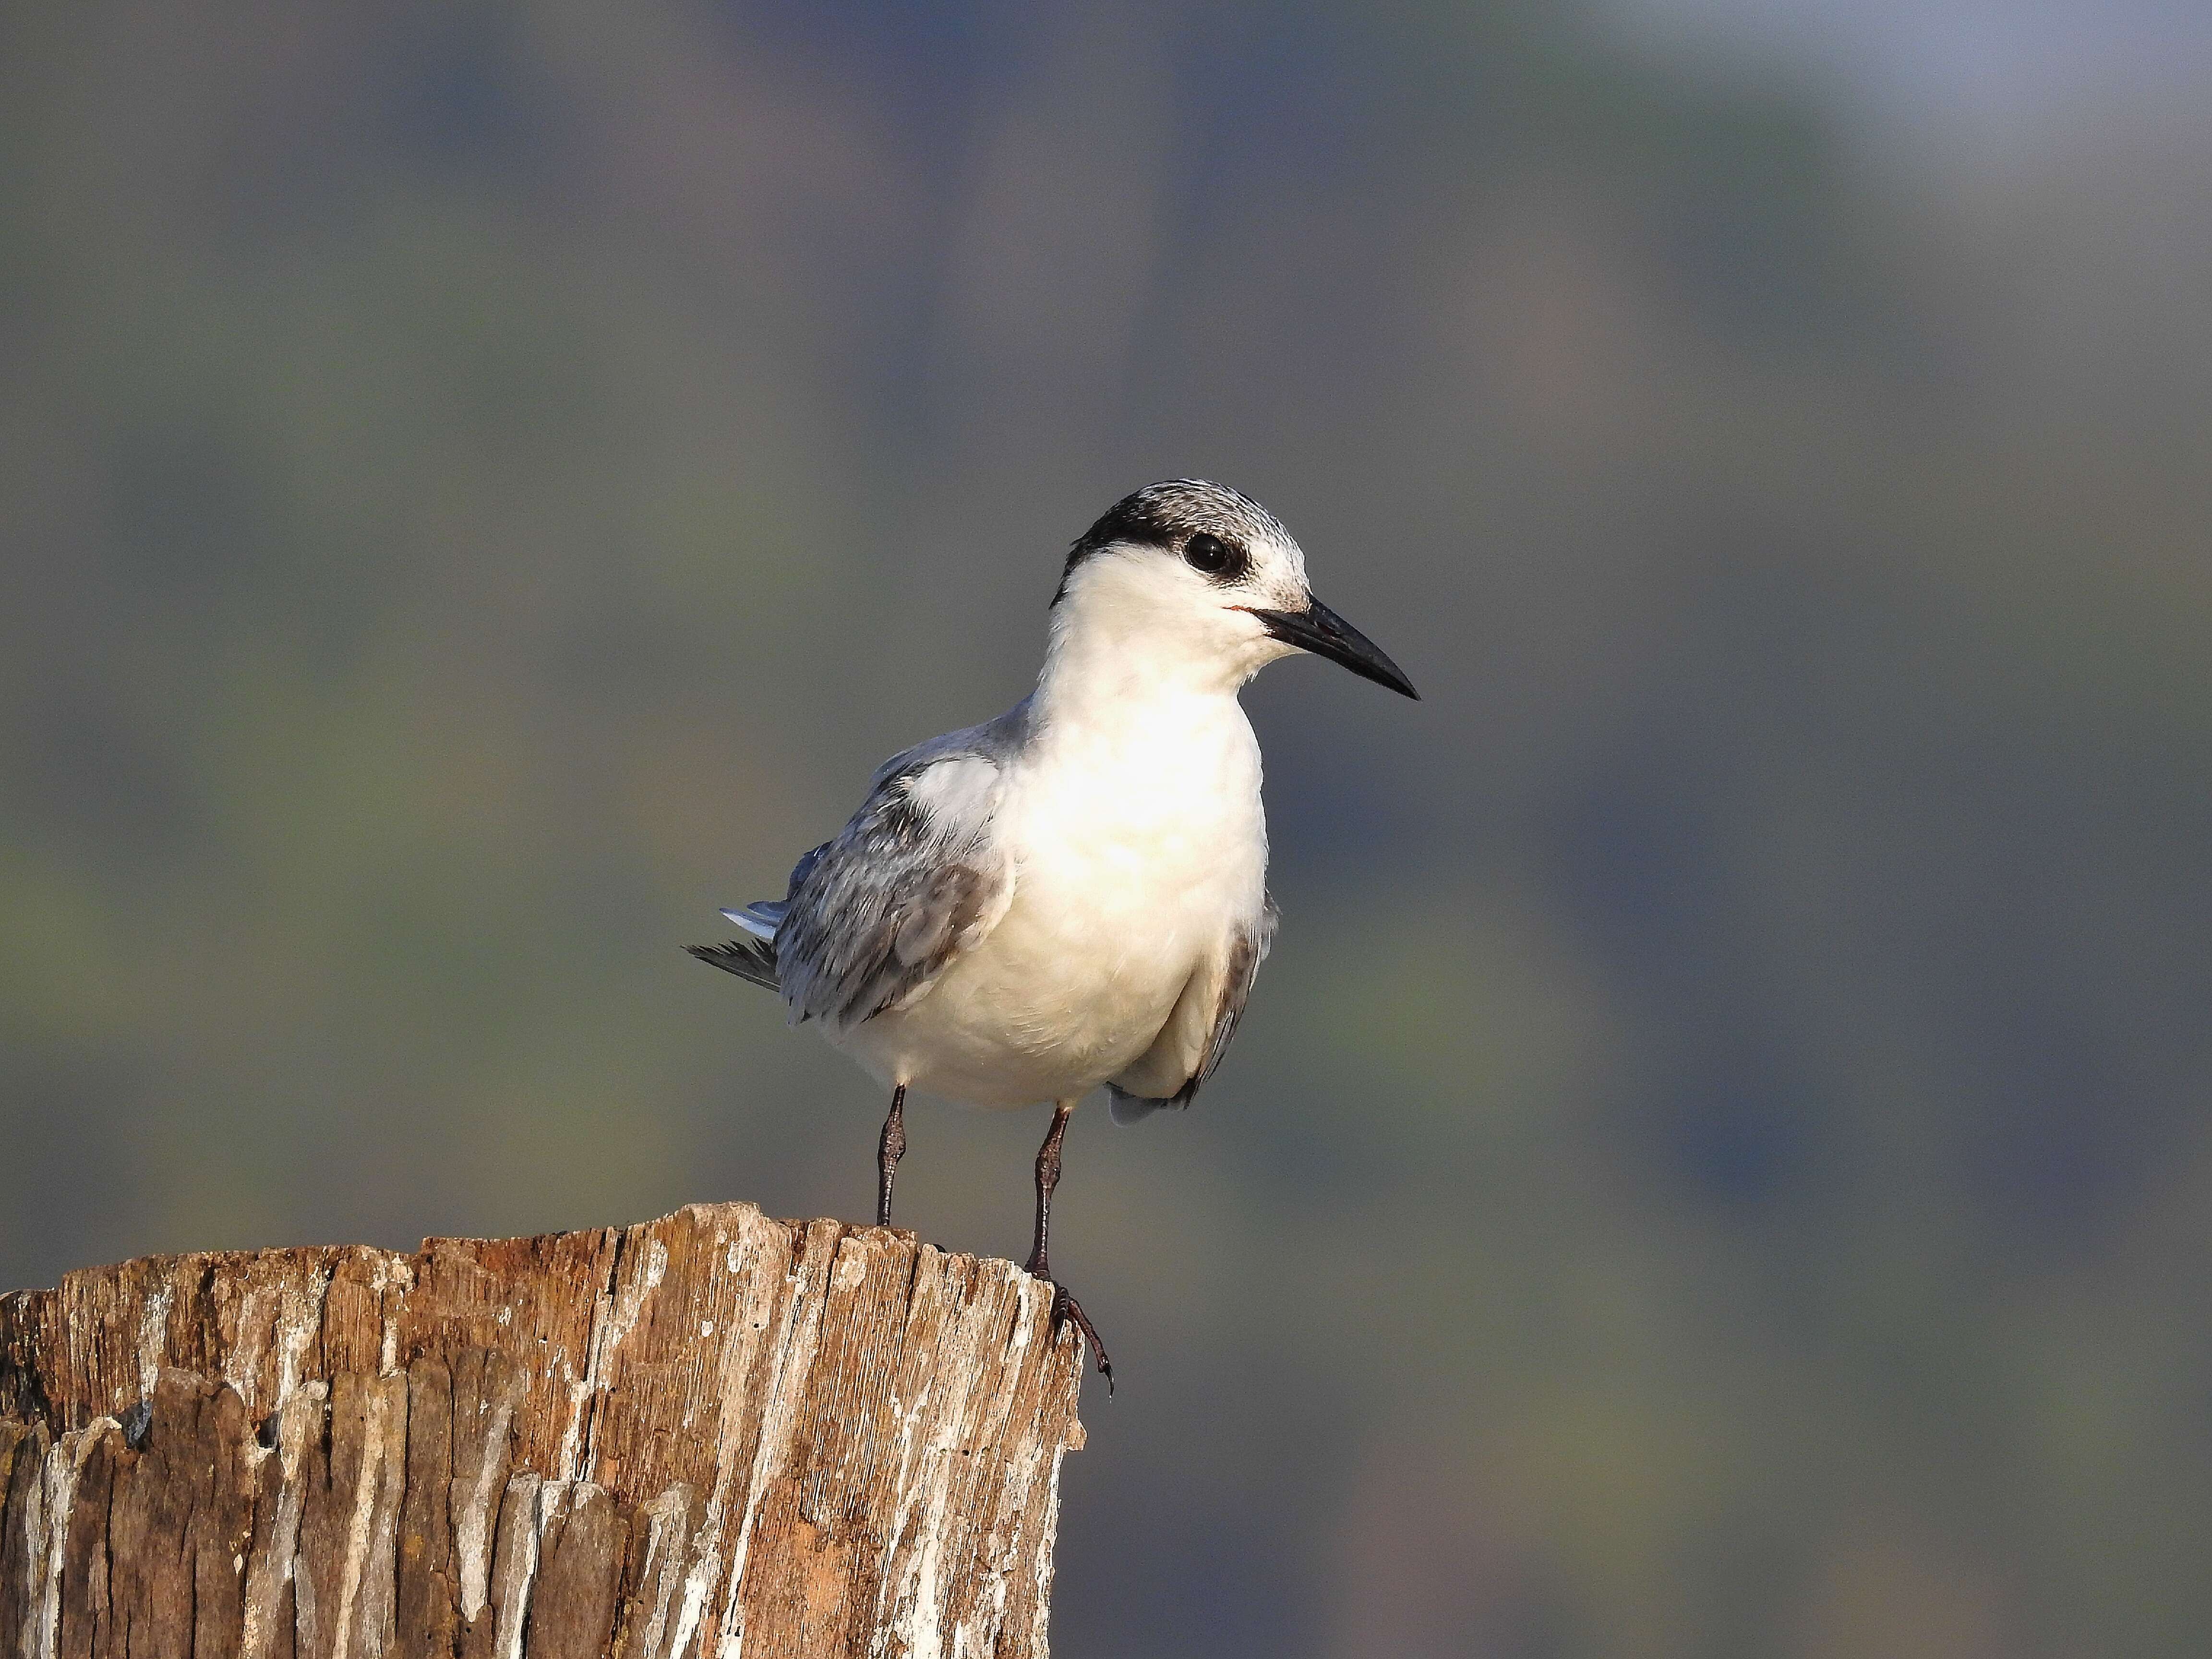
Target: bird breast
(1142,849)
(1139,847)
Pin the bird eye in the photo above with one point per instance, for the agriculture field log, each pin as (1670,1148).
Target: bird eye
(1209,554)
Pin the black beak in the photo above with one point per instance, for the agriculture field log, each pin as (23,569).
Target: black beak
(1319,630)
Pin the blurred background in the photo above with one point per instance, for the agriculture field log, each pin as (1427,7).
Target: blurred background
(1717,1163)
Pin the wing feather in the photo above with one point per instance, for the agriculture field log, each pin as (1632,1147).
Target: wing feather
(913,881)
(749,959)
(1232,988)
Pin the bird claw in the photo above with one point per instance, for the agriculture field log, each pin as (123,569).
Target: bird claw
(1066,1310)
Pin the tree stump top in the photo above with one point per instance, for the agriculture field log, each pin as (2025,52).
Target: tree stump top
(707,1434)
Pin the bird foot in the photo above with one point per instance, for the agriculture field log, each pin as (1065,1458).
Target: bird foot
(1066,1310)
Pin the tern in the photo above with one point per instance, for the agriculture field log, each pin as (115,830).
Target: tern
(1073,893)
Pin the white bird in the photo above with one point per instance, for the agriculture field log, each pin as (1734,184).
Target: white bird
(1073,893)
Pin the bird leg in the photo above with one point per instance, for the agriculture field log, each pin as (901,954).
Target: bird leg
(1064,1306)
(888,1153)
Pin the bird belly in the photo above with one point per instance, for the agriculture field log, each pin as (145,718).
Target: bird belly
(1081,974)
(1011,1027)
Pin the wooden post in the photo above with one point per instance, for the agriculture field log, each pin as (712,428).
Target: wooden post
(711,1435)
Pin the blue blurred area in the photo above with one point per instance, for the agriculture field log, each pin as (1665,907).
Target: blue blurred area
(1716,1163)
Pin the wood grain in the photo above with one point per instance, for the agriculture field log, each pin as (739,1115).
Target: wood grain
(713,1434)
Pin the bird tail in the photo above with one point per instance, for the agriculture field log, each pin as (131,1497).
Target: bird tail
(750,959)
(761,918)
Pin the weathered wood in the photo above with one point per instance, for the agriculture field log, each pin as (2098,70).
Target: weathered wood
(713,1434)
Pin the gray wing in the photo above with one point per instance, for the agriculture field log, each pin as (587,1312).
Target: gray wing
(915,879)
(1209,1012)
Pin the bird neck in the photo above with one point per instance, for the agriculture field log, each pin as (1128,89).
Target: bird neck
(1098,673)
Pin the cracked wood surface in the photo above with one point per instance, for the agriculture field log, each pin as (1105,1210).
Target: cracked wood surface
(708,1435)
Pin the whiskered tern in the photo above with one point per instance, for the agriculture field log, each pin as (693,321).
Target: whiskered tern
(1073,893)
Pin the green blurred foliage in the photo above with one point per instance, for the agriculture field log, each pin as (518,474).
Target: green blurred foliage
(1716,1165)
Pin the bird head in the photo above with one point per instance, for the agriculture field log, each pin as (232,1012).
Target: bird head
(1204,573)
